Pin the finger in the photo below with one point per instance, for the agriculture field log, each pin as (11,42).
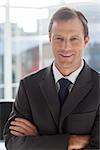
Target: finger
(23,131)
(25,121)
(16,133)
(72,148)
(22,128)
(75,147)
(26,127)
(18,129)
(22,125)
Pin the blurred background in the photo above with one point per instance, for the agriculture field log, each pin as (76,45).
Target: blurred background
(24,44)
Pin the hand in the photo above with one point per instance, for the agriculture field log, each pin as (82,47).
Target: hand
(22,127)
(78,141)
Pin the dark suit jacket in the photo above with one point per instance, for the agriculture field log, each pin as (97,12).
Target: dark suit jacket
(37,101)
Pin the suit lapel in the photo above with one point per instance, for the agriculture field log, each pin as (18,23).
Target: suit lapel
(48,89)
(81,88)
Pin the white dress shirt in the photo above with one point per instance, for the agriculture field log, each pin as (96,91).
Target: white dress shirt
(72,77)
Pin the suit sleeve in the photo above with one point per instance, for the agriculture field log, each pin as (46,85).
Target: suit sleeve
(21,108)
(95,143)
(95,133)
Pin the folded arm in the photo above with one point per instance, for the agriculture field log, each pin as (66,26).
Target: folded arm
(28,137)
(24,136)
(22,127)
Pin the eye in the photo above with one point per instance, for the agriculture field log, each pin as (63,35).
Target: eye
(74,39)
(59,38)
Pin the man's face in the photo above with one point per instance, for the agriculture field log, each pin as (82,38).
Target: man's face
(67,42)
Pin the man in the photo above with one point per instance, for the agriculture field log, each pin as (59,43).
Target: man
(58,107)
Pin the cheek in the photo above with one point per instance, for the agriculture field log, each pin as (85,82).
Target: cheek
(79,46)
(55,47)
(79,51)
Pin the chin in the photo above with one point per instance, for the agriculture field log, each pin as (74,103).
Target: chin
(66,66)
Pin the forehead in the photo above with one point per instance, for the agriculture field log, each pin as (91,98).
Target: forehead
(67,26)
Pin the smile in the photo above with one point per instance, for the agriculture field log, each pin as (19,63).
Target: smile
(66,55)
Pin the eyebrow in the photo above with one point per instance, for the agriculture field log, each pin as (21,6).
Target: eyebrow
(57,34)
(75,36)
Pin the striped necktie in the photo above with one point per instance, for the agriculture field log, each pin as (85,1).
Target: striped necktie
(63,91)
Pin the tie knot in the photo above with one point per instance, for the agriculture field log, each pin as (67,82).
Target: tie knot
(64,83)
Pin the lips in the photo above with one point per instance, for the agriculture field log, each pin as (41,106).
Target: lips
(66,54)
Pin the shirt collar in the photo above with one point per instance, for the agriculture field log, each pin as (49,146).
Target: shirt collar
(72,77)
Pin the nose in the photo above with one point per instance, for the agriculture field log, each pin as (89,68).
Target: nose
(66,44)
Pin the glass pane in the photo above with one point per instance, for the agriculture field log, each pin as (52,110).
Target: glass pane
(3,2)
(2,20)
(14,90)
(81,1)
(1,93)
(47,55)
(33,3)
(27,18)
(25,41)
(1,66)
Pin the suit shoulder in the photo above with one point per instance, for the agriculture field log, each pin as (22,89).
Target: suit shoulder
(95,73)
(35,75)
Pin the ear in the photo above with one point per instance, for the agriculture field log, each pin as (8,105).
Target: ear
(86,41)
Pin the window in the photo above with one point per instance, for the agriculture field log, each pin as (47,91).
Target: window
(2,22)
(24,43)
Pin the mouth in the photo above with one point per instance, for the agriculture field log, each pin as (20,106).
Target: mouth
(66,55)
